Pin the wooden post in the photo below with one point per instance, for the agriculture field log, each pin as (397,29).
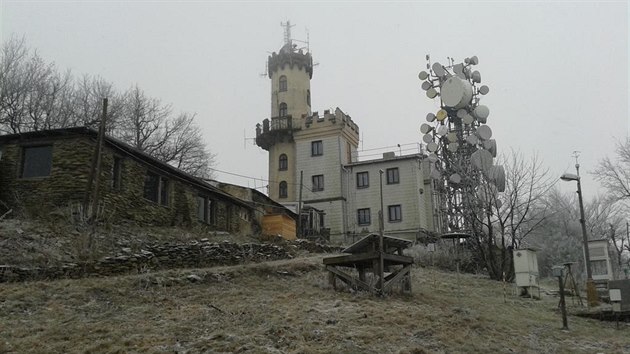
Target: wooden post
(299,223)
(95,169)
(380,241)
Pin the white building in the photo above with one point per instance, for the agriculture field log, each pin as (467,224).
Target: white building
(313,158)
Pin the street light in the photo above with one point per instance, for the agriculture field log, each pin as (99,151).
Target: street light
(591,294)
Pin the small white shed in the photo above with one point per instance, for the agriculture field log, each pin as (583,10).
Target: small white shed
(600,259)
(526,267)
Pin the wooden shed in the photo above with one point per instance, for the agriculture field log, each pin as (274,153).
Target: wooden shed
(279,225)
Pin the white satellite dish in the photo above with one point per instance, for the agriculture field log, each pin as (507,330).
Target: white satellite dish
(474,60)
(432,146)
(468,119)
(484,90)
(438,69)
(425,128)
(455,178)
(476,76)
(484,132)
(426,85)
(452,137)
(472,140)
(442,130)
(456,93)
(430,117)
(433,158)
(491,145)
(452,147)
(423,75)
(427,138)
(431,93)
(481,160)
(481,113)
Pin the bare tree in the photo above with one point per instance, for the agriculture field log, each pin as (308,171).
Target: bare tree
(614,174)
(503,220)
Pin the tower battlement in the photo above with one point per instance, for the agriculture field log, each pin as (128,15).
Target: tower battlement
(287,56)
(329,119)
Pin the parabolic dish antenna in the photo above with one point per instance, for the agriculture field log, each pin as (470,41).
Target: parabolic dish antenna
(435,174)
(458,69)
(452,147)
(430,117)
(461,113)
(455,178)
(442,130)
(452,137)
(438,69)
(433,158)
(456,93)
(423,75)
(481,160)
(497,175)
(481,113)
(484,90)
(427,138)
(474,60)
(484,132)
(441,115)
(432,146)
(426,85)
(431,93)
(491,145)
(468,119)
(476,76)
(472,140)
(425,128)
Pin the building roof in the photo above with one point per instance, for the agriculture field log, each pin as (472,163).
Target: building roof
(390,159)
(124,148)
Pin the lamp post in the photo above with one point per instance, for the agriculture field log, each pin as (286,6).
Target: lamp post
(591,294)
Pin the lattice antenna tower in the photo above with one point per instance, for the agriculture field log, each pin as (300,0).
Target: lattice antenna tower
(287,33)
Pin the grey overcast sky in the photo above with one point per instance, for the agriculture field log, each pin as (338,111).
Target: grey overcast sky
(557,71)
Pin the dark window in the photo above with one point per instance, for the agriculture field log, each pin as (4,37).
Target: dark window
(395,213)
(205,210)
(282,191)
(363,180)
(282,83)
(317,148)
(321,220)
(363,216)
(308,97)
(392,175)
(156,188)
(282,110)
(283,162)
(37,161)
(116,173)
(318,183)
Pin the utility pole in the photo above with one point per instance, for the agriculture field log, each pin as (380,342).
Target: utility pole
(381,264)
(299,223)
(95,169)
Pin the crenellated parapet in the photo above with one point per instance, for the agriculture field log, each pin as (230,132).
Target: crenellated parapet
(336,118)
(291,58)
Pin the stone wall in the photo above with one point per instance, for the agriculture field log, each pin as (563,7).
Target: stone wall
(167,256)
(67,183)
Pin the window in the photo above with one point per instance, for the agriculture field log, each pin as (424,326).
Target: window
(282,84)
(317,148)
(363,180)
(282,110)
(395,213)
(283,162)
(318,183)
(363,216)
(599,267)
(116,173)
(308,97)
(392,175)
(36,161)
(282,191)
(205,209)
(156,188)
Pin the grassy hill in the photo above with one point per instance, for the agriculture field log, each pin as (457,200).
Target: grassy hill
(287,307)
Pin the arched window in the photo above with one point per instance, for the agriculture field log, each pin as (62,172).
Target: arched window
(283,162)
(282,83)
(282,192)
(282,110)
(308,97)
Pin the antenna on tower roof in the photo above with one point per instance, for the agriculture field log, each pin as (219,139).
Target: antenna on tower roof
(287,32)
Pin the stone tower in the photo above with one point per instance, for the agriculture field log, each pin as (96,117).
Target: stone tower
(290,71)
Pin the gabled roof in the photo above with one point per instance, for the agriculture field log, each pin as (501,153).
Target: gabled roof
(124,149)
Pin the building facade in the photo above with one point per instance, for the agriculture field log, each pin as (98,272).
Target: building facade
(313,159)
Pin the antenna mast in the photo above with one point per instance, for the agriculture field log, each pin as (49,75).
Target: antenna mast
(287,32)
